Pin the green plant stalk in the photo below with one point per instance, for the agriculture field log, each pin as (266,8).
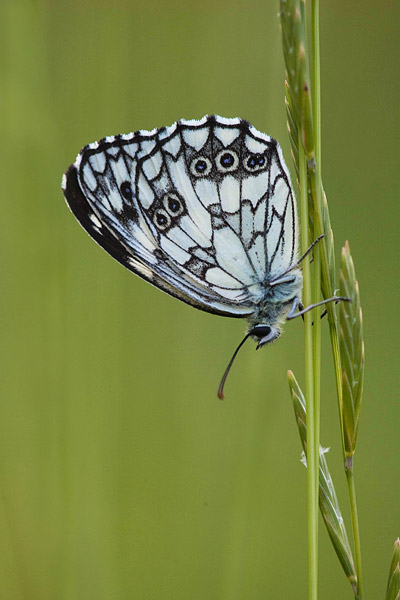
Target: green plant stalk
(316,362)
(318,210)
(316,89)
(355,527)
(315,177)
(300,120)
(304,121)
(312,447)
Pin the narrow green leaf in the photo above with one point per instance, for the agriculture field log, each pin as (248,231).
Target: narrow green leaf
(393,585)
(351,351)
(328,502)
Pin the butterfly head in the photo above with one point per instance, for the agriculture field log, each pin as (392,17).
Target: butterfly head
(261,333)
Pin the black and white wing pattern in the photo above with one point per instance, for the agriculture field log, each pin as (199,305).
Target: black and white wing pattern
(203,210)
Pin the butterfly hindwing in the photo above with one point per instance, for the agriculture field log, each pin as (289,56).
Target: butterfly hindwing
(202,209)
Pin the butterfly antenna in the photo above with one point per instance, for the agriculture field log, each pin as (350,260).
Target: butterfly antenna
(228,368)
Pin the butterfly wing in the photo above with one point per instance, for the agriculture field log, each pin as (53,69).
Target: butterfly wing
(187,208)
(82,210)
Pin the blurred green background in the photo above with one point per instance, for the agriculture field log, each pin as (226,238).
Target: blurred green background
(121,474)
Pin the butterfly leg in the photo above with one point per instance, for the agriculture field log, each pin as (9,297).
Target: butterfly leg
(295,305)
(302,311)
(301,307)
(296,264)
(315,242)
(325,312)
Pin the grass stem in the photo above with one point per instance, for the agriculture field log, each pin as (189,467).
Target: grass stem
(316,91)
(312,447)
(355,526)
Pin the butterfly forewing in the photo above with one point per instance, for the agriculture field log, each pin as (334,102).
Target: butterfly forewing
(202,209)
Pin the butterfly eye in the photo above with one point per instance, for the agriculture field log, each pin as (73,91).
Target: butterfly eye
(161,219)
(173,204)
(255,162)
(200,167)
(126,190)
(227,160)
(264,334)
(261,331)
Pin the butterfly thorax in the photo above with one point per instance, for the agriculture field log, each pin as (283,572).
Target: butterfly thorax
(277,301)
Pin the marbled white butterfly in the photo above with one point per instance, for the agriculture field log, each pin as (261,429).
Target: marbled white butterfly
(203,210)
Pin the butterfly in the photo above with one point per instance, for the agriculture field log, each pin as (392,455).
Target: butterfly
(204,210)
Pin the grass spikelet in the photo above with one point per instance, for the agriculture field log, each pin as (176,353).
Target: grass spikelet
(351,351)
(297,86)
(328,502)
(393,585)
